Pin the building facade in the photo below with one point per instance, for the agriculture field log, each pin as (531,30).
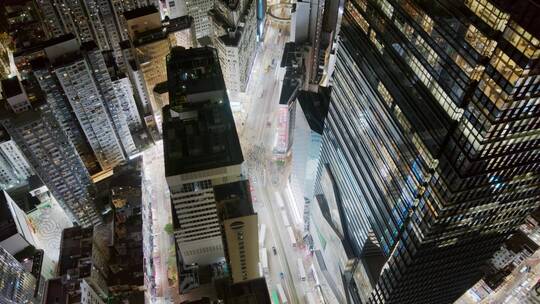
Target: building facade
(430,141)
(14,168)
(234,35)
(239,230)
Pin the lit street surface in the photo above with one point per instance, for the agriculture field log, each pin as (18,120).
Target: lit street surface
(256,129)
(155,186)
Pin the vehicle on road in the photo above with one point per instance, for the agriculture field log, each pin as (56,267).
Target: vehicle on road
(301,270)
(274,250)
(291,236)
(281,293)
(262,235)
(263,257)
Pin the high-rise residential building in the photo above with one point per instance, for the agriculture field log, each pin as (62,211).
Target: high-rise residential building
(201,149)
(78,75)
(198,9)
(14,168)
(31,124)
(16,284)
(234,35)
(239,229)
(429,155)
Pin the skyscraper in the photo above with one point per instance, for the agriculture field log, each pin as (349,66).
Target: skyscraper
(234,35)
(429,155)
(201,150)
(30,122)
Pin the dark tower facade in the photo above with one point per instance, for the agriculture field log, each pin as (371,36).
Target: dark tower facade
(430,151)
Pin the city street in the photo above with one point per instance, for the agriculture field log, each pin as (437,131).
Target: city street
(256,128)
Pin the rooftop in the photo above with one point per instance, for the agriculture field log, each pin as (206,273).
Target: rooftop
(248,292)
(141,11)
(315,107)
(76,244)
(178,24)
(4,135)
(233,199)
(198,126)
(11,87)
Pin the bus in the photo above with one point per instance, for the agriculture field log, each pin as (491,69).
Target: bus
(281,294)
(301,269)
(263,256)
(285,218)
(275,297)
(262,235)
(291,236)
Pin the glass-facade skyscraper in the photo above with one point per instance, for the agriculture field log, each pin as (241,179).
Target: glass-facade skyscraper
(430,149)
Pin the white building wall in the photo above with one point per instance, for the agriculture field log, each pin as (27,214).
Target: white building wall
(192,194)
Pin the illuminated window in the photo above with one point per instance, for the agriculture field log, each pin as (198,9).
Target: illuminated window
(479,42)
(491,15)
(386,7)
(522,40)
(385,94)
(506,66)
(375,40)
(360,20)
(427,24)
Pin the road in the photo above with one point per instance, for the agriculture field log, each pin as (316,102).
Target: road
(257,136)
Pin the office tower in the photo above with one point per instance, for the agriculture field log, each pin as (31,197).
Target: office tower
(44,144)
(429,149)
(14,168)
(150,46)
(234,35)
(310,109)
(239,229)
(78,75)
(82,268)
(316,24)
(16,284)
(201,151)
